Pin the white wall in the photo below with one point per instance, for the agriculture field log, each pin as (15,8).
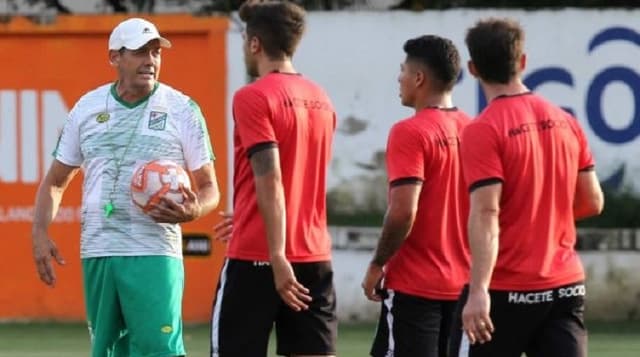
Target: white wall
(349,268)
(356,57)
(613,282)
(613,285)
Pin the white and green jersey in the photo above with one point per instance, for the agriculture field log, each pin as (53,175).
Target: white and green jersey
(109,139)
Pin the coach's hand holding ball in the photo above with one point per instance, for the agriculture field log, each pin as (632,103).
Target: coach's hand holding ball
(162,190)
(169,211)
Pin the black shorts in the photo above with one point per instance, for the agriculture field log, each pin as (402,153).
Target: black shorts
(247,306)
(545,323)
(412,326)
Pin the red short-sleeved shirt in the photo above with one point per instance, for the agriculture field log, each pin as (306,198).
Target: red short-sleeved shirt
(294,114)
(433,261)
(536,150)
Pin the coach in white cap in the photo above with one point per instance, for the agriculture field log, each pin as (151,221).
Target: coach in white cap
(135,33)
(131,261)
(135,50)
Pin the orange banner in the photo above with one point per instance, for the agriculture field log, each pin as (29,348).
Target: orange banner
(45,69)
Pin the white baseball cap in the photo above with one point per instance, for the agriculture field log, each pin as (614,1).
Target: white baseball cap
(134,33)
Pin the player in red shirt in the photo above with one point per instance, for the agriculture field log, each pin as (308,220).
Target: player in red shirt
(278,267)
(531,175)
(422,253)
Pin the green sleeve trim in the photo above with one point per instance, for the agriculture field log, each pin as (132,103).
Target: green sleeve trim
(203,126)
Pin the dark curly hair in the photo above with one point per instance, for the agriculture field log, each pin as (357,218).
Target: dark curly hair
(440,57)
(495,47)
(278,25)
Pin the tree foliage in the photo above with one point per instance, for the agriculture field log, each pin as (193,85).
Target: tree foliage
(527,4)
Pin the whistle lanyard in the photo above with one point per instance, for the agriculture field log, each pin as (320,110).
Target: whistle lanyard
(109,208)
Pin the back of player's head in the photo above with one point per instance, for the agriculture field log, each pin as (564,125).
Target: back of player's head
(439,56)
(278,25)
(495,47)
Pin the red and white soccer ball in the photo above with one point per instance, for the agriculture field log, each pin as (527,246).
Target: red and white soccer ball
(157,179)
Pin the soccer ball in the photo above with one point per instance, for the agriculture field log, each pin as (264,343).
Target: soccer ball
(157,179)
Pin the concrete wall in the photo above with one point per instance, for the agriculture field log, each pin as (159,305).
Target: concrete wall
(613,279)
(613,284)
(590,68)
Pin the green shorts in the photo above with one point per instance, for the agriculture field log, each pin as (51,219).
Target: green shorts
(134,306)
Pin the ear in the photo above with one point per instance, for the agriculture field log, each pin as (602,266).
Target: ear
(420,78)
(472,68)
(114,58)
(523,62)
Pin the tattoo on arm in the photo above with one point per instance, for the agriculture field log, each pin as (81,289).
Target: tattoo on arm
(393,235)
(263,162)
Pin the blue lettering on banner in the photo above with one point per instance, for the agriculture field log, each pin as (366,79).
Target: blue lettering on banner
(594,105)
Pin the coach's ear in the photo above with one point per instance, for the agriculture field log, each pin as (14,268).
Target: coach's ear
(472,68)
(114,58)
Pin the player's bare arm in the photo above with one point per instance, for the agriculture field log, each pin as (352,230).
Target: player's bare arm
(484,230)
(196,204)
(48,200)
(589,199)
(270,195)
(398,220)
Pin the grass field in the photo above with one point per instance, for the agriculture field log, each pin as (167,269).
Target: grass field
(620,339)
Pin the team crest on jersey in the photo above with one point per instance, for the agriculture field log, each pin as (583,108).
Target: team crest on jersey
(102,117)
(157,120)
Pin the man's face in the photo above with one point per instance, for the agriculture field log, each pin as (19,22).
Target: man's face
(407,81)
(140,68)
(250,62)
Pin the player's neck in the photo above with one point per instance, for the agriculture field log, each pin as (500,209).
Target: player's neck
(280,66)
(132,94)
(494,90)
(439,100)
